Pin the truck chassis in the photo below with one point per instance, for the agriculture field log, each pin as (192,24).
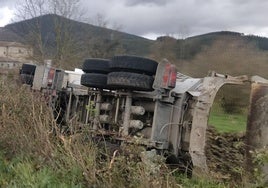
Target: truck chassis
(170,115)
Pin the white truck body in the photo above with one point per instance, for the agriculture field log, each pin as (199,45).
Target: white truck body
(172,120)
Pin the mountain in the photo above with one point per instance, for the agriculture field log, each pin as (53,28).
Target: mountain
(8,36)
(207,39)
(81,36)
(224,51)
(188,48)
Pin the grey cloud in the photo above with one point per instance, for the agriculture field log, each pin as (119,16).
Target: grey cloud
(9,3)
(179,17)
(3,2)
(146,2)
(197,16)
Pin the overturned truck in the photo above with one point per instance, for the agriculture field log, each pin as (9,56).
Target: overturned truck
(136,100)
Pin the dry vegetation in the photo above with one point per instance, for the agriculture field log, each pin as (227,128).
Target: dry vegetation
(228,55)
(34,154)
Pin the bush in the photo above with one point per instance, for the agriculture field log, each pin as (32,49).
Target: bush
(231,105)
(260,162)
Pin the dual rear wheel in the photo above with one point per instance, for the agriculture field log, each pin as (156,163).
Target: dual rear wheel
(27,72)
(122,72)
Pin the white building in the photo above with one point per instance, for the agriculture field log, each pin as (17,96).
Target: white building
(12,53)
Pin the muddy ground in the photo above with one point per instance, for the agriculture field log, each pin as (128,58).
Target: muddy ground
(225,155)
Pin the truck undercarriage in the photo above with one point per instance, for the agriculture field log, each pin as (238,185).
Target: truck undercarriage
(136,100)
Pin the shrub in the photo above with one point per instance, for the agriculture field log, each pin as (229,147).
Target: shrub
(231,105)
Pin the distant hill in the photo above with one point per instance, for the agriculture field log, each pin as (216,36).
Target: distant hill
(224,51)
(188,48)
(83,34)
(207,39)
(261,42)
(195,55)
(132,44)
(8,36)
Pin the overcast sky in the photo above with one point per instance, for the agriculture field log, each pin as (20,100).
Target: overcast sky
(179,18)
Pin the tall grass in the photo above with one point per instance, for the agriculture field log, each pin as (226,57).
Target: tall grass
(35,154)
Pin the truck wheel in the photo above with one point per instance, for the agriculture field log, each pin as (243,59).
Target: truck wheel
(133,64)
(94,65)
(26,79)
(28,69)
(95,80)
(127,80)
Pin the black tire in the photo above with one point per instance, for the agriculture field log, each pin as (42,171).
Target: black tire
(28,69)
(127,80)
(96,66)
(133,64)
(95,80)
(27,79)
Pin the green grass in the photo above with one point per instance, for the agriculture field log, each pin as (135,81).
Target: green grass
(199,183)
(24,172)
(225,122)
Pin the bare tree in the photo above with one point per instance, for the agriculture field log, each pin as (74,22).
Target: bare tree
(101,21)
(66,8)
(27,9)
(105,47)
(164,48)
(63,42)
(59,45)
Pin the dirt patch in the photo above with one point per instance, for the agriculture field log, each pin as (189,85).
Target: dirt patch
(225,155)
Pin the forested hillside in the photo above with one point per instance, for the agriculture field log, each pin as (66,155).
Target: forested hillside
(68,42)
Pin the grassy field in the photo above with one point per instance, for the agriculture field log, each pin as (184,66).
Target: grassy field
(225,122)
